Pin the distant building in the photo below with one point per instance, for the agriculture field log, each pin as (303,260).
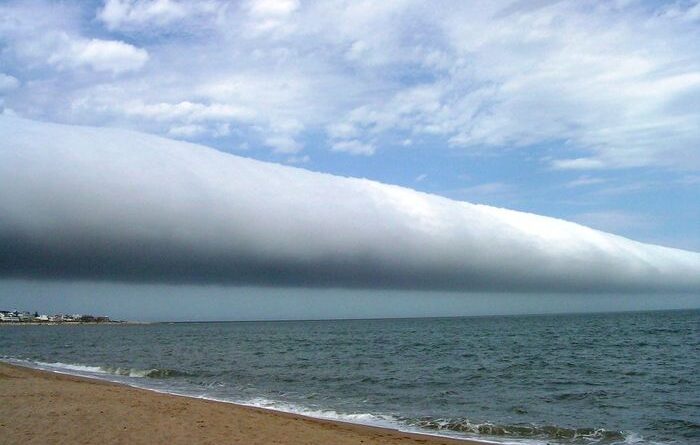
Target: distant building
(7,316)
(27,317)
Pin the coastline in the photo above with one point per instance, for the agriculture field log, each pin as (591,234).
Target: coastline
(71,323)
(49,407)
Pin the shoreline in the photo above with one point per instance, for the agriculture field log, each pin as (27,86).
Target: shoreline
(71,323)
(53,407)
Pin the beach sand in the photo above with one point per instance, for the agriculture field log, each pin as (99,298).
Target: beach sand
(45,408)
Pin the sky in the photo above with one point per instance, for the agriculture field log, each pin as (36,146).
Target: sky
(581,111)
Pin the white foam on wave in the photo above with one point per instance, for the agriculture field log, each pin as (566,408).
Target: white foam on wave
(287,407)
(366,419)
(134,379)
(82,370)
(58,366)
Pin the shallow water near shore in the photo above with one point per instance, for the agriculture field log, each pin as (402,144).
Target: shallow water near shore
(569,379)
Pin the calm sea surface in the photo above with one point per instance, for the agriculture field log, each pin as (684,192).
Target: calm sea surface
(570,379)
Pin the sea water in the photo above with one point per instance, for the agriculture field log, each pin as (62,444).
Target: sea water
(570,379)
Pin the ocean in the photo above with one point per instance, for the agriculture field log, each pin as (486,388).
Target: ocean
(615,378)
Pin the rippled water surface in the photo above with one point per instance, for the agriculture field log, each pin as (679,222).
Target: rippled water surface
(600,378)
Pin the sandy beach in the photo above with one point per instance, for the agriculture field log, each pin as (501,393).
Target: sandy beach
(48,408)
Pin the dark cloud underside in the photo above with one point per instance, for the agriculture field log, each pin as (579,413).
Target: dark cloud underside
(89,203)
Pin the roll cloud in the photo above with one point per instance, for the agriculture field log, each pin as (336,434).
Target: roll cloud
(109,204)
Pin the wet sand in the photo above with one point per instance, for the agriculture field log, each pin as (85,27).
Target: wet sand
(42,407)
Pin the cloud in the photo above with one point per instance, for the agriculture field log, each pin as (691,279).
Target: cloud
(270,15)
(187,131)
(354,147)
(7,82)
(584,181)
(117,13)
(578,164)
(187,111)
(100,55)
(686,11)
(94,203)
(273,7)
(298,159)
(140,14)
(283,144)
(41,35)
(613,85)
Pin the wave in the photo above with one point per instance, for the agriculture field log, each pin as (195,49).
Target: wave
(319,413)
(461,428)
(153,373)
(447,427)
(520,431)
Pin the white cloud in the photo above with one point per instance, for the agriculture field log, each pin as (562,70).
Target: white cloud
(187,131)
(687,11)
(610,85)
(584,76)
(283,144)
(187,111)
(583,181)
(578,164)
(140,14)
(354,147)
(298,159)
(7,82)
(100,55)
(273,7)
(107,204)
(342,130)
(116,13)
(270,15)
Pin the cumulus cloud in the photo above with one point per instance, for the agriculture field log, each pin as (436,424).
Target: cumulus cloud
(95,203)
(610,85)
(100,55)
(117,13)
(138,14)
(40,35)
(187,112)
(270,15)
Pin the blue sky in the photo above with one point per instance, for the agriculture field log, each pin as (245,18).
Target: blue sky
(585,111)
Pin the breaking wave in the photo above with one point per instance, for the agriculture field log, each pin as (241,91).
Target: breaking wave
(153,373)
(446,427)
(547,432)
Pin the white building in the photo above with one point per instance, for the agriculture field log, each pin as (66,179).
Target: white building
(6,316)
